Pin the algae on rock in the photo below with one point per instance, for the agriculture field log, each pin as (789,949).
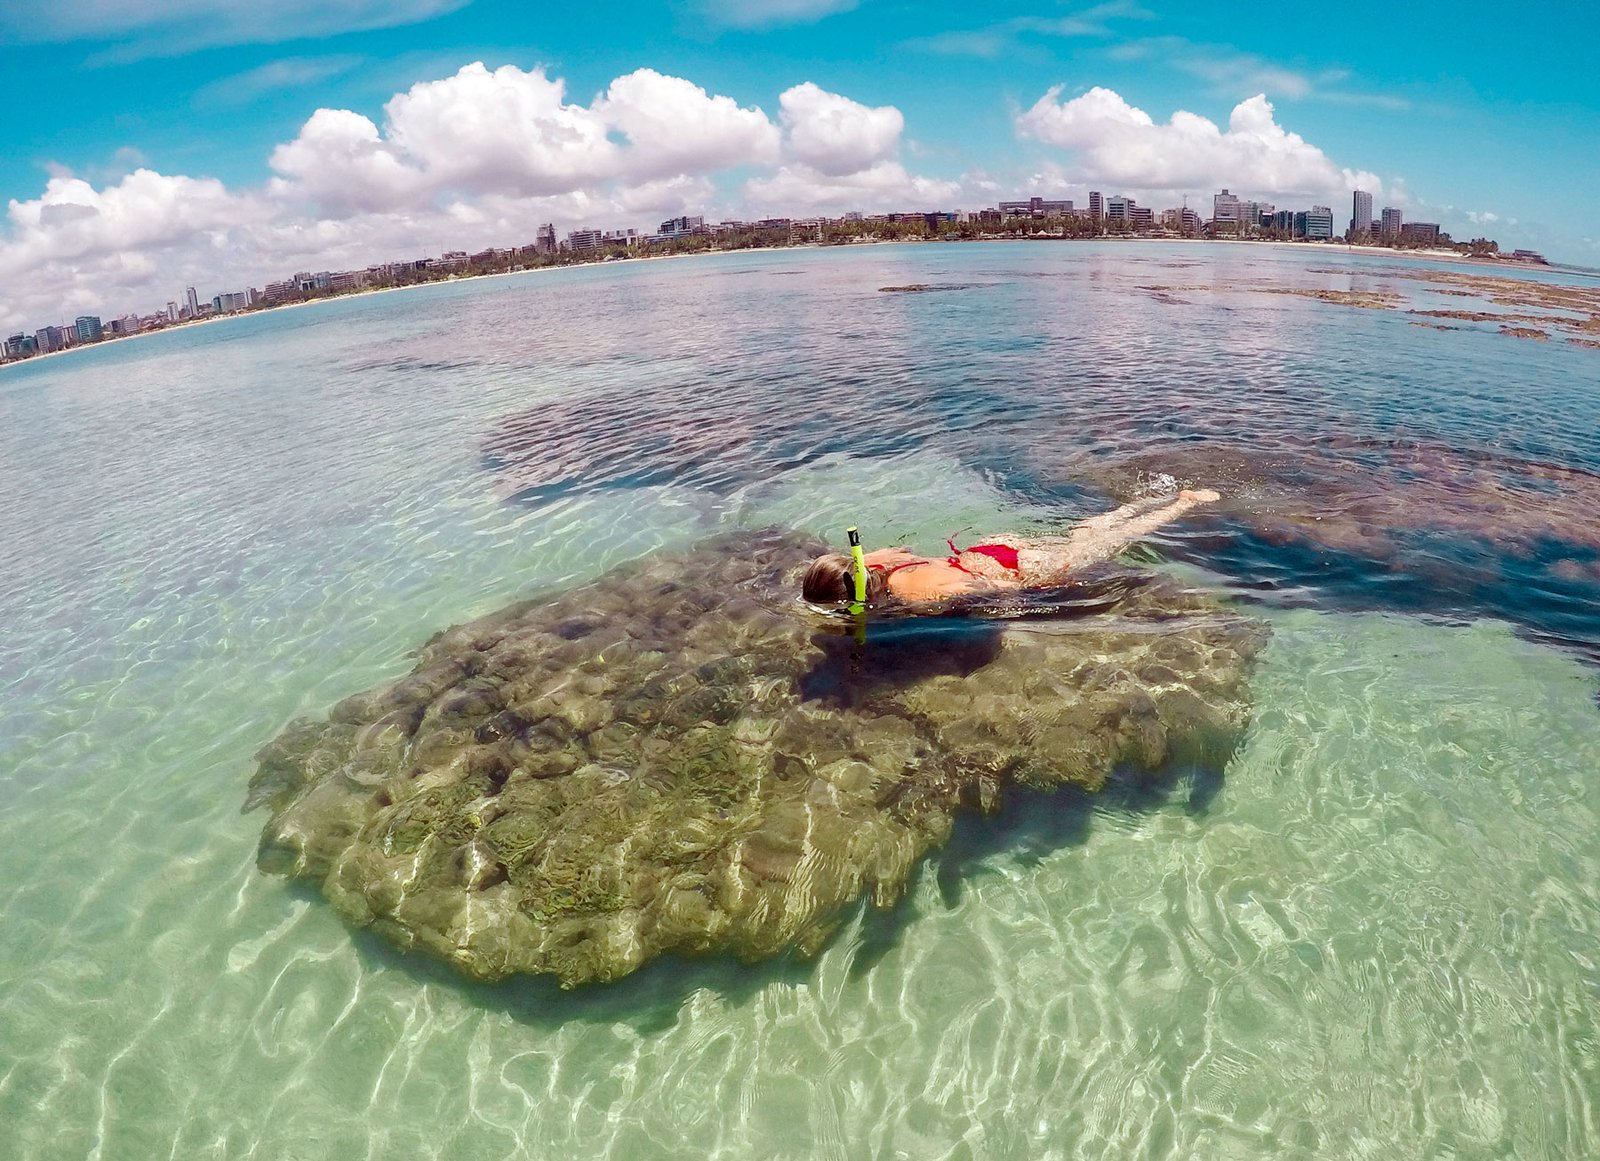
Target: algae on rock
(680,758)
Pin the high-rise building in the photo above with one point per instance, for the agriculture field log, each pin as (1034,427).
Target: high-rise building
(194,302)
(1315,224)
(1360,213)
(1392,221)
(1096,207)
(172,312)
(545,240)
(584,241)
(1225,212)
(89,329)
(1119,208)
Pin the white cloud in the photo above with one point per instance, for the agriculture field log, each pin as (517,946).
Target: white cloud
(839,154)
(76,247)
(835,135)
(770,13)
(174,26)
(1012,38)
(475,159)
(1119,145)
(674,127)
(341,163)
(503,130)
(1231,73)
(886,185)
(512,132)
(288,73)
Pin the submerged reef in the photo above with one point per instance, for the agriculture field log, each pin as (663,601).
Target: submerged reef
(681,758)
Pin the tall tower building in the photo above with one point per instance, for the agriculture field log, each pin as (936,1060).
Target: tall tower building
(1392,220)
(545,240)
(1227,213)
(194,303)
(1096,207)
(1360,213)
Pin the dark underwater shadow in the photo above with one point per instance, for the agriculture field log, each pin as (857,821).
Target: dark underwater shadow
(889,655)
(903,645)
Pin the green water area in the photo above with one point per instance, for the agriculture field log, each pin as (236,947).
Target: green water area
(384,774)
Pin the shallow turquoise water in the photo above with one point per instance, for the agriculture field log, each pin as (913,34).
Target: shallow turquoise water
(1376,937)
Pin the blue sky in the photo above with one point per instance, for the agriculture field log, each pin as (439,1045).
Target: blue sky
(149,147)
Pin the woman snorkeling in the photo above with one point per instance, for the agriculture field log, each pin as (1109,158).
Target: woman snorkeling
(1008,563)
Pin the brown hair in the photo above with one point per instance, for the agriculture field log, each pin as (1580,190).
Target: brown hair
(830,579)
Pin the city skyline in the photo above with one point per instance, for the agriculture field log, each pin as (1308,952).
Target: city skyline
(179,148)
(1034,217)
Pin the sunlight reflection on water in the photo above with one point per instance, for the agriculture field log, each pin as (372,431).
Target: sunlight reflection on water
(1374,934)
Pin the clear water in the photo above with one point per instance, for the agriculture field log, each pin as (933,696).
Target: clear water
(1379,935)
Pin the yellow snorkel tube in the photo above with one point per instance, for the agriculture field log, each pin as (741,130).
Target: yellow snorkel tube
(858,567)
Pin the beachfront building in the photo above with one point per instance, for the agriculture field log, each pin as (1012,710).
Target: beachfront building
(681,227)
(1360,213)
(1227,214)
(584,241)
(88,328)
(48,339)
(1393,219)
(227,303)
(1036,208)
(544,241)
(1254,215)
(1424,233)
(1096,207)
(1315,224)
(193,300)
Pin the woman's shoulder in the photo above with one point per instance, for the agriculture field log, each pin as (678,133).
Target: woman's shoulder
(928,580)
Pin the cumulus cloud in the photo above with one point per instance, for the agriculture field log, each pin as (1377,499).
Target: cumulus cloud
(1119,145)
(76,247)
(673,126)
(471,160)
(514,132)
(841,154)
(886,185)
(835,135)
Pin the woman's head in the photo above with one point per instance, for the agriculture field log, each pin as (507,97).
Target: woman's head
(831,580)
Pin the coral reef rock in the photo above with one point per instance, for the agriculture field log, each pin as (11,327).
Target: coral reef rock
(681,758)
